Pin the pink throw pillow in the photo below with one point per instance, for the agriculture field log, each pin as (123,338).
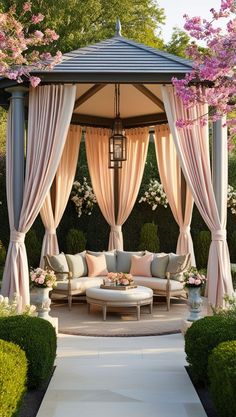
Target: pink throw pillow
(96,265)
(141,265)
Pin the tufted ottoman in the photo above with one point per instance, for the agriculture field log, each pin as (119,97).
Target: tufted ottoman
(135,297)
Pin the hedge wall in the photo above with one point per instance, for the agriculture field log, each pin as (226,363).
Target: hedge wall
(97,230)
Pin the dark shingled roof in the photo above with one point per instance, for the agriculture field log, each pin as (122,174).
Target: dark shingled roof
(120,55)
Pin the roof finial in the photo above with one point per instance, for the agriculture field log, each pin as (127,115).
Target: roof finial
(118,28)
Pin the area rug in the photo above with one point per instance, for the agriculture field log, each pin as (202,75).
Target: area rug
(119,323)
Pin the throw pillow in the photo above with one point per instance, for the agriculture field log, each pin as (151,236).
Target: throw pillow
(178,263)
(77,264)
(124,260)
(96,265)
(159,265)
(110,258)
(141,265)
(59,264)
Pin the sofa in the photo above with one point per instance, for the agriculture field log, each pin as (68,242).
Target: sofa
(161,272)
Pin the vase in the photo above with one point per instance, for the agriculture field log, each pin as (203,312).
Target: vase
(39,296)
(195,303)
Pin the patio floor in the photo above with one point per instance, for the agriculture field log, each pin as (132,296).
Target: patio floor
(133,377)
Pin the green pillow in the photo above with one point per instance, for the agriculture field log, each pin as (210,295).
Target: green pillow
(178,264)
(159,265)
(77,264)
(59,264)
(110,258)
(124,260)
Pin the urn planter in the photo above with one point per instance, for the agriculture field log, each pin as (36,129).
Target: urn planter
(195,303)
(39,296)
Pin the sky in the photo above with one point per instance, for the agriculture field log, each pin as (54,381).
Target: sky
(175,9)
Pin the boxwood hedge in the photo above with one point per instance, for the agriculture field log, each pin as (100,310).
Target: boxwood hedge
(202,337)
(13,371)
(37,338)
(222,377)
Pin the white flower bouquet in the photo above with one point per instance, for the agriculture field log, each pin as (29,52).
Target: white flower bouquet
(155,195)
(83,197)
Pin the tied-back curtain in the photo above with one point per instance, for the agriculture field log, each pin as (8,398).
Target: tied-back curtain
(192,146)
(97,141)
(131,173)
(170,174)
(51,214)
(50,111)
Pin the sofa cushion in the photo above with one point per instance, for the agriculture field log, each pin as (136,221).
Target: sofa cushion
(80,284)
(177,265)
(59,264)
(96,265)
(124,260)
(110,258)
(141,265)
(158,283)
(77,264)
(159,264)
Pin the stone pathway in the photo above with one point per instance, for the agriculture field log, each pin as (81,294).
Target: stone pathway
(121,377)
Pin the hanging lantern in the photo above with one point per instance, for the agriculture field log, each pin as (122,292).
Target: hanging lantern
(117,141)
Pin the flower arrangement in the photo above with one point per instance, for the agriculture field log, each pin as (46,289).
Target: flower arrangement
(83,197)
(120,278)
(193,278)
(231,199)
(43,278)
(155,195)
(11,307)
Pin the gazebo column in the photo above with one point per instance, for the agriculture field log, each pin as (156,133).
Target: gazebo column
(220,164)
(18,147)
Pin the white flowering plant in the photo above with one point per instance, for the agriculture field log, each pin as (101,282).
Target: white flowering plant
(11,307)
(231,199)
(43,278)
(83,197)
(155,195)
(193,278)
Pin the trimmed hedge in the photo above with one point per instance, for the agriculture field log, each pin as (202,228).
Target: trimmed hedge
(149,239)
(202,337)
(222,377)
(37,338)
(13,371)
(75,241)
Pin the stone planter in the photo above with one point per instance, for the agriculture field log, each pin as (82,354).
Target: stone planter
(39,296)
(195,303)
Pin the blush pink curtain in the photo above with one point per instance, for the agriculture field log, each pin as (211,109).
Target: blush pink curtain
(131,173)
(130,176)
(102,178)
(50,111)
(170,174)
(193,151)
(51,214)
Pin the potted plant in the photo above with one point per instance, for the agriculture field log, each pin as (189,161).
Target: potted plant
(41,283)
(193,282)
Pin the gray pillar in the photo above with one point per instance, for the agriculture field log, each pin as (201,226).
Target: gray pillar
(220,165)
(18,147)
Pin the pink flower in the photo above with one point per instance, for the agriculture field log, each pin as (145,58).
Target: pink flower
(27,6)
(38,34)
(34,81)
(198,281)
(37,18)
(41,280)
(191,280)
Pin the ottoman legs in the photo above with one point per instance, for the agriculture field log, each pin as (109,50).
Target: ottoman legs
(104,311)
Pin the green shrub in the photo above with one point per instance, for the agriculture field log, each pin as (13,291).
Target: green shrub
(2,254)
(13,371)
(233,273)
(202,245)
(202,337)
(75,241)
(37,338)
(33,248)
(222,377)
(149,239)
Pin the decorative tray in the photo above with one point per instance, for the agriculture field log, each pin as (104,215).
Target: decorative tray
(118,287)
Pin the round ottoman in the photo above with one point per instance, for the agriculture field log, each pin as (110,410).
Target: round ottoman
(135,297)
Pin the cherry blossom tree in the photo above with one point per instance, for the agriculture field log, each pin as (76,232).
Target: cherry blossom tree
(19,41)
(212,79)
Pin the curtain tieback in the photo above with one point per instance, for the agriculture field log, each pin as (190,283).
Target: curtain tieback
(17,237)
(116,229)
(185,229)
(50,231)
(218,234)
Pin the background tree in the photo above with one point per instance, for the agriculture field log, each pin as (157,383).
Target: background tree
(178,42)
(81,22)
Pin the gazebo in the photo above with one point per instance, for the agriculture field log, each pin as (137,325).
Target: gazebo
(80,93)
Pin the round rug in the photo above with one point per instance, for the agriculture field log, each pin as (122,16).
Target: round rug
(78,321)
